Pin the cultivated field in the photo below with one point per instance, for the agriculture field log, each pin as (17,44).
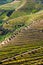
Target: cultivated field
(21,32)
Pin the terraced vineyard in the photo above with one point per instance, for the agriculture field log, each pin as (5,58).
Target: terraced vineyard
(21,32)
(31,57)
(31,51)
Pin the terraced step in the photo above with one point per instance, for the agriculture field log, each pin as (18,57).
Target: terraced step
(33,57)
(25,45)
(29,33)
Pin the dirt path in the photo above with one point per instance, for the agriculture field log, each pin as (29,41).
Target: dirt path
(21,5)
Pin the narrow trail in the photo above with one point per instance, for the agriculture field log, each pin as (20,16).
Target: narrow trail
(24,2)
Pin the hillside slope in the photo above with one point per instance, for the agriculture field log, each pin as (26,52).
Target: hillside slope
(21,32)
(31,39)
(27,7)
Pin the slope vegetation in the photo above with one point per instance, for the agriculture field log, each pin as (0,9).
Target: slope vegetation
(31,39)
(5,1)
(21,32)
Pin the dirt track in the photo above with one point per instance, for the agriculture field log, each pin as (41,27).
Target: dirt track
(21,5)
